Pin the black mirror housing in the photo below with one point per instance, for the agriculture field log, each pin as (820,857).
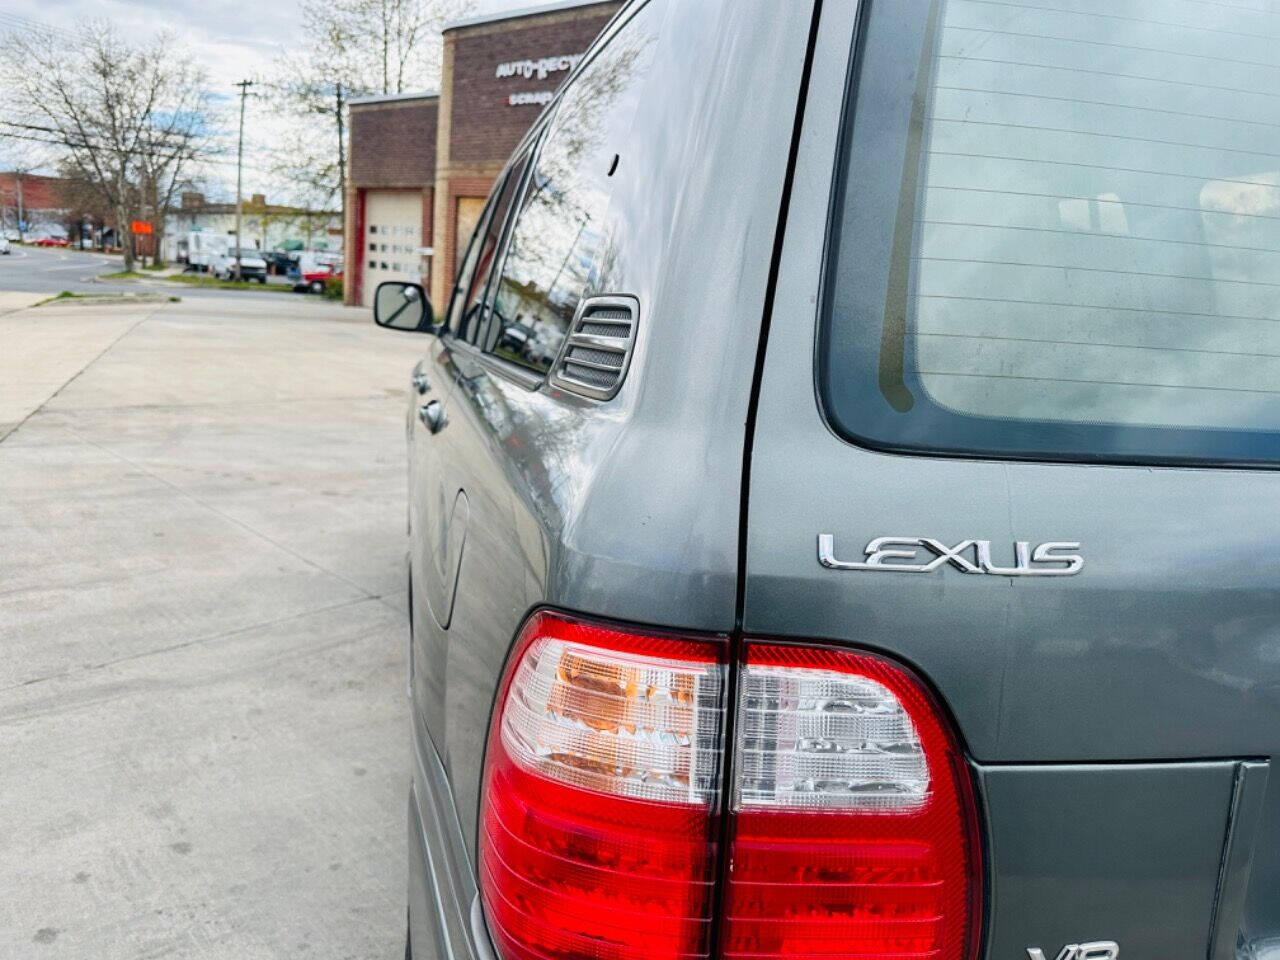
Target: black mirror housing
(398,305)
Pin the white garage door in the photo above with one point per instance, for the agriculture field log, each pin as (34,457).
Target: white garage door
(392,238)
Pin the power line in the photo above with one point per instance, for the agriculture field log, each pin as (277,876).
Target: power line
(82,141)
(84,145)
(16,21)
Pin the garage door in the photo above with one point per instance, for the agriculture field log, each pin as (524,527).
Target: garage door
(392,238)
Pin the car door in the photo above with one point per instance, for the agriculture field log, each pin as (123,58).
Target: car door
(1018,429)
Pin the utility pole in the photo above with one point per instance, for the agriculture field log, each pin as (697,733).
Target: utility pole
(22,227)
(342,161)
(244,86)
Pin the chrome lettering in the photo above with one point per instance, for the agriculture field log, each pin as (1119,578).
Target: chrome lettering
(903,555)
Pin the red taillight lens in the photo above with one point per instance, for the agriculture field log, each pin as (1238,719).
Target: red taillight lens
(601,793)
(854,830)
(853,824)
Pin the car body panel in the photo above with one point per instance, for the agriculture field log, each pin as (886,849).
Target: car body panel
(1163,648)
(1126,853)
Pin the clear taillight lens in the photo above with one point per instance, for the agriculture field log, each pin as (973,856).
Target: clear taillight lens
(601,794)
(854,826)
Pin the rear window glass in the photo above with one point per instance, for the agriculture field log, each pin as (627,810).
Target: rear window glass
(1057,231)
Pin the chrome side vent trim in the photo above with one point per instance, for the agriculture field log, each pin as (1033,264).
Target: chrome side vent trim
(597,351)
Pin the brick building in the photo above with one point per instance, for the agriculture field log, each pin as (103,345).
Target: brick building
(43,204)
(422,164)
(391,188)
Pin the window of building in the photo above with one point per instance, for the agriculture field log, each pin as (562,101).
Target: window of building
(1059,232)
(562,244)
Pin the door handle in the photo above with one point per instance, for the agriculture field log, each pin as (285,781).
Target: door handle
(433,416)
(421,383)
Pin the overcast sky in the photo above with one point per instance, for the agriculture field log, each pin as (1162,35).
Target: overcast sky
(232,39)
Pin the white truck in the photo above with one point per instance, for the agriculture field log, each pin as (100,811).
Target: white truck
(252,264)
(202,247)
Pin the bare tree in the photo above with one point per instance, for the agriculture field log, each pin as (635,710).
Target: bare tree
(353,48)
(129,117)
(174,140)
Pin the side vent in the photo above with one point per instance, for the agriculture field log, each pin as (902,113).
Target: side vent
(598,349)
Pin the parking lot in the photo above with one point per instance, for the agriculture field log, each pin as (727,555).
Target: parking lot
(202,596)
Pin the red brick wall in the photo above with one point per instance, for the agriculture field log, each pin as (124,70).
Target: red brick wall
(394,144)
(38,193)
(484,127)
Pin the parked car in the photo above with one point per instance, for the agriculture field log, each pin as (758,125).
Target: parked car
(5,248)
(280,262)
(48,241)
(886,563)
(252,265)
(310,272)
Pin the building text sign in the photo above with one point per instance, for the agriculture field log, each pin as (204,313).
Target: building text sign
(537,68)
(529,69)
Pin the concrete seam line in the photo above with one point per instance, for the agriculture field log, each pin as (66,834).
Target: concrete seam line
(75,376)
(364,592)
(193,642)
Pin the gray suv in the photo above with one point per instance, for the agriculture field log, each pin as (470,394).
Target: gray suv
(843,498)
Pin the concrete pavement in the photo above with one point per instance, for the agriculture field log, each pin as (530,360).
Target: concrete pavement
(202,712)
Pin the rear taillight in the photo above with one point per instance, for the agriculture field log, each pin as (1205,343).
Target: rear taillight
(853,827)
(601,793)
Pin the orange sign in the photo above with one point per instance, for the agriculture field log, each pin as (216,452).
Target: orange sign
(140,228)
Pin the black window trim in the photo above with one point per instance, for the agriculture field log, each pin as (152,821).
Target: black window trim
(483,221)
(531,153)
(529,148)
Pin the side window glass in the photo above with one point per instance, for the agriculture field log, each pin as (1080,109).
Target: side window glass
(462,285)
(474,315)
(562,246)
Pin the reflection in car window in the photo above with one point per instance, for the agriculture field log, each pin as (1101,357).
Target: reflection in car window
(561,244)
(462,286)
(1087,241)
(486,247)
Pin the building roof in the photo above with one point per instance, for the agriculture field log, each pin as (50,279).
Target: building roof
(553,7)
(393,98)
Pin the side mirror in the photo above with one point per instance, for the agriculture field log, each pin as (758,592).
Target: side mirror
(403,306)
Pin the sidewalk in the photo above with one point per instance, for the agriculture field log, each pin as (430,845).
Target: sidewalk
(45,349)
(11,301)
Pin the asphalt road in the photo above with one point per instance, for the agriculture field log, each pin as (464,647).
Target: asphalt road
(202,592)
(51,270)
